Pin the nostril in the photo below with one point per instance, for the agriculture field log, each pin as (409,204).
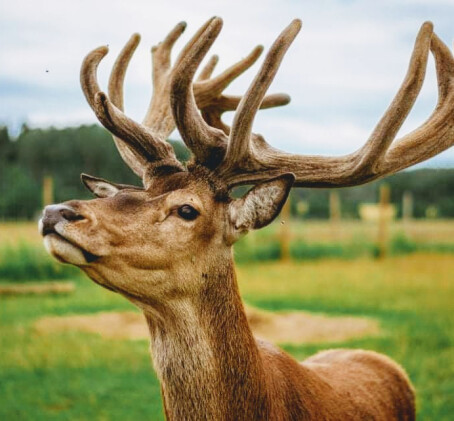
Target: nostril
(70,214)
(53,214)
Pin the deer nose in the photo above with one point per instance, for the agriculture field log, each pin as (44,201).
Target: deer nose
(53,214)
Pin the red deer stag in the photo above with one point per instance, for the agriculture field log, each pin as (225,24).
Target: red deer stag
(167,247)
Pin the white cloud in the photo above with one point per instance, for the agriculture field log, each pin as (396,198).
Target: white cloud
(60,119)
(305,137)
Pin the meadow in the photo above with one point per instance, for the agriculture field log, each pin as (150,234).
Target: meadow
(81,376)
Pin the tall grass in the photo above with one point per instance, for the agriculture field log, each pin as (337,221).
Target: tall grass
(26,263)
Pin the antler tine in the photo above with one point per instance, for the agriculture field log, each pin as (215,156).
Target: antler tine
(159,114)
(211,107)
(207,71)
(88,79)
(135,161)
(134,134)
(444,63)
(202,139)
(117,75)
(240,134)
(387,128)
(162,51)
(204,90)
(437,133)
(213,112)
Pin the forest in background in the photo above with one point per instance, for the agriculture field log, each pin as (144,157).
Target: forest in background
(65,153)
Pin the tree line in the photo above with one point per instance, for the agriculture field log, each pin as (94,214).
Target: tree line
(64,153)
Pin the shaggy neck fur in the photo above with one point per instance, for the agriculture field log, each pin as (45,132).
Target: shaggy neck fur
(206,357)
(211,368)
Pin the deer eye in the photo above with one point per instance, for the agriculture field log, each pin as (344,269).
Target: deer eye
(187,212)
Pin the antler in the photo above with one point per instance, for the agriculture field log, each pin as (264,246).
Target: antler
(143,146)
(206,135)
(248,159)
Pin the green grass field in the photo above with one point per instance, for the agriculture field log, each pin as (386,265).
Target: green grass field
(81,376)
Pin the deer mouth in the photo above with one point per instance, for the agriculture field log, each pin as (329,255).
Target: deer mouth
(65,250)
(57,242)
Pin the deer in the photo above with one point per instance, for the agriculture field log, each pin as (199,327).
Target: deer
(167,246)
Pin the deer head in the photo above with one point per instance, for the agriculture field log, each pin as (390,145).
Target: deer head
(183,219)
(130,231)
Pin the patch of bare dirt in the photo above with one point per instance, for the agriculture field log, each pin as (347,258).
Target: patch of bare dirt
(111,325)
(289,327)
(302,327)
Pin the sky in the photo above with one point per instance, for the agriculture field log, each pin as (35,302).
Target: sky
(341,72)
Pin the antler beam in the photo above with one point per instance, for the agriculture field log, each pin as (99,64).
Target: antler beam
(250,159)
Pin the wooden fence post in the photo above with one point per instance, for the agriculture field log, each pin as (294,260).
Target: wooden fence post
(285,232)
(48,191)
(334,212)
(383,221)
(407,211)
(407,206)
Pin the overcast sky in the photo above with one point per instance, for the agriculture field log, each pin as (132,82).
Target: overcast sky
(341,72)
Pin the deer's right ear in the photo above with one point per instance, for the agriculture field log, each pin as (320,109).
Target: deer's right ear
(99,187)
(258,207)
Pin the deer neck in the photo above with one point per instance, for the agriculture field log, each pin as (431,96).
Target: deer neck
(205,355)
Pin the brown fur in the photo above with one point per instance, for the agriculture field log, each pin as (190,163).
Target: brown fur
(256,381)
(181,274)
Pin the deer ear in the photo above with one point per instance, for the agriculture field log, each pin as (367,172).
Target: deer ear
(259,206)
(99,187)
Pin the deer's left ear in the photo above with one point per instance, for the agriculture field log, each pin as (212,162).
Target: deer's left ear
(259,206)
(98,186)
(103,188)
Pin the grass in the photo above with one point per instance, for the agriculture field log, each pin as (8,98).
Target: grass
(412,296)
(81,376)
(267,249)
(423,231)
(23,258)
(28,263)
(14,233)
